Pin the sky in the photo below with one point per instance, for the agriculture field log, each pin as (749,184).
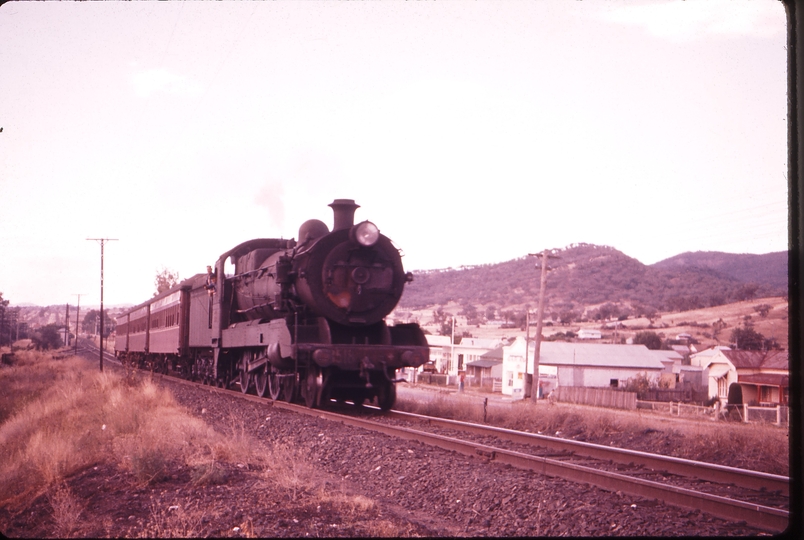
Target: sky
(469,132)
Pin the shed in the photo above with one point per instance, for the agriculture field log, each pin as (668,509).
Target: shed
(587,333)
(580,364)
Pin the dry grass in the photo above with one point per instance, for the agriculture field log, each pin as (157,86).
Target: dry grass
(67,511)
(62,416)
(290,469)
(174,522)
(753,446)
(446,406)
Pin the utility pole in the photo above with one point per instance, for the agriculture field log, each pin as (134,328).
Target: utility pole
(534,394)
(528,378)
(77,311)
(451,349)
(102,241)
(67,324)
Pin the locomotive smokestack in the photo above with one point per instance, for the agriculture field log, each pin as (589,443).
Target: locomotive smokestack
(344,210)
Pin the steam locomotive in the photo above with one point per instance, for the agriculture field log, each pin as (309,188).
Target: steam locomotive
(301,319)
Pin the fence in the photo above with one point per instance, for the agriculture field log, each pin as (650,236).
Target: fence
(434,378)
(687,395)
(599,397)
(779,415)
(675,408)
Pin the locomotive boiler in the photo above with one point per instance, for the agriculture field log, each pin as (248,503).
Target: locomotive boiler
(294,318)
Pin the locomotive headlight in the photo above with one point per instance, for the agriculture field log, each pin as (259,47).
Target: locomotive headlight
(365,233)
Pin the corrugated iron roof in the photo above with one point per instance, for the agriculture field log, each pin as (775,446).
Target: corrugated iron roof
(758,359)
(494,354)
(765,379)
(437,340)
(485,363)
(598,355)
(671,356)
(480,343)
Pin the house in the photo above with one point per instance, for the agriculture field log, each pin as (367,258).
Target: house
(671,360)
(469,350)
(718,372)
(763,376)
(579,364)
(451,359)
(487,368)
(439,351)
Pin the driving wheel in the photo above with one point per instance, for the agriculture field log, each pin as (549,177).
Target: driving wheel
(261,380)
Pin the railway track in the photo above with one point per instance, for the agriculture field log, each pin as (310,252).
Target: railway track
(759,499)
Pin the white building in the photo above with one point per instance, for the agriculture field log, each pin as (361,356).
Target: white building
(579,364)
(588,333)
(469,350)
(718,372)
(439,351)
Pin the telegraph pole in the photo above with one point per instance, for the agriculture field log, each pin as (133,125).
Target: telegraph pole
(534,394)
(528,379)
(77,311)
(67,324)
(102,241)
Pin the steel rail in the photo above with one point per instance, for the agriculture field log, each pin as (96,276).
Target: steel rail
(698,469)
(762,517)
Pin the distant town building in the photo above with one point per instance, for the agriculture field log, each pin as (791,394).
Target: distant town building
(579,364)
(588,333)
(487,368)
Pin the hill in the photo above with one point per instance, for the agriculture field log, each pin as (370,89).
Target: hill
(587,277)
(769,269)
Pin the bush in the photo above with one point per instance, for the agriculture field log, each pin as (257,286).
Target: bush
(651,340)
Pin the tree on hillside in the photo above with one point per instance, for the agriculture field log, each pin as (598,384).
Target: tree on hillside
(763,309)
(746,292)
(470,312)
(747,339)
(165,279)
(567,316)
(647,311)
(717,326)
(651,340)
(608,311)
